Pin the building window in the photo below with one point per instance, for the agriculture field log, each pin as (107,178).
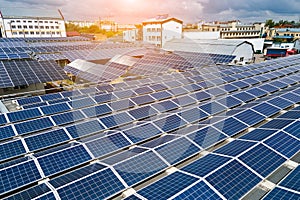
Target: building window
(37,33)
(53,33)
(19,26)
(35,21)
(52,27)
(48,33)
(36,27)
(24,21)
(13,26)
(42,33)
(51,22)
(40,22)
(26,32)
(15,33)
(57,33)
(29,21)
(47,27)
(46,22)
(57,27)
(41,27)
(24,26)
(31,32)
(20,33)
(18,21)
(31,27)
(12,21)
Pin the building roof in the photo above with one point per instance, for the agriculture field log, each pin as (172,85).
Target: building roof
(226,47)
(30,13)
(295,30)
(161,19)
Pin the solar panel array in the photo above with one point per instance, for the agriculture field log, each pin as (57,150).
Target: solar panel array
(27,72)
(207,128)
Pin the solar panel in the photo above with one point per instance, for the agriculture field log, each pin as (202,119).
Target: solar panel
(56,108)
(17,176)
(31,192)
(142,132)
(170,123)
(200,191)
(167,186)
(85,128)
(193,115)
(240,178)
(277,124)
(262,160)
(107,144)
(11,149)
(266,109)
(177,150)
(230,126)
(206,137)
(250,117)
(46,139)
(140,167)
(279,193)
(23,115)
(284,144)
(33,126)
(234,148)
(116,120)
(99,185)
(68,117)
(258,134)
(62,160)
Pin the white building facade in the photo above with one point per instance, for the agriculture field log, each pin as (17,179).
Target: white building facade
(30,24)
(130,35)
(161,29)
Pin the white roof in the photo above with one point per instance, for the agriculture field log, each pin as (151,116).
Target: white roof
(29,13)
(226,47)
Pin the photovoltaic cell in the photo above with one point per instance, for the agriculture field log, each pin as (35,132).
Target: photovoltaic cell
(240,178)
(234,148)
(31,192)
(23,115)
(97,186)
(33,125)
(11,149)
(167,186)
(292,181)
(258,134)
(294,129)
(85,128)
(140,133)
(67,117)
(62,160)
(6,132)
(140,167)
(250,117)
(278,193)
(262,160)
(230,126)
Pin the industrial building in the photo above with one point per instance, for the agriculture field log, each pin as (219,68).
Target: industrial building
(22,23)
(161,29)
(242,50)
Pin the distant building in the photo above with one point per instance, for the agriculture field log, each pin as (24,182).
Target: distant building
(161,29)
(82,23)
(16,23)
(294,33)
(130,35)
(234,29)
(108,25)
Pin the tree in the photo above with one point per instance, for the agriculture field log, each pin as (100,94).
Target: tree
(270,23)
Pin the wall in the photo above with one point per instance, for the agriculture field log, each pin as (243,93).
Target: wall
(201,35)
(243,51)
(130,36)
(152,34)
(171,30)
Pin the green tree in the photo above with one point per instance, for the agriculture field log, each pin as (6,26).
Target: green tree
(270,23)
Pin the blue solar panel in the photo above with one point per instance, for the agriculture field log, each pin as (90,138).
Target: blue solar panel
(230,88)
(124,94)
(143,90)
(98,186)
(28,100)
(193,115)
(140,133)
(140,167)
(240,178)
(213,108)
(167,186)
(235,148)
(161,95)
(229,102)
(142,112)
(35,105)
(75,175)
(201,96)
(258,134)
(18,176)
(68,117)
(244,96)
(121,105)
(6,132)
(23,115)
(257,92)
(48,97)
(116,120)
(11,149)
(184,100)
(48,196)
(108,144)
(177,150)
(80,103)
(46,139)
(140,100)
(284,144)
(62,160)
(85,128)
(169,123)
(55,108)
(207,137)
(33,125)
(290,115)
(2,119)
(294,129)
(292,97)
(177,91)
(266,109)
(31,192)
(292,181)
(279,193)
(230,126)
(164,106)
(200,191)
(262,160)
(280,102)
(97,110)
(277,124)
(103,98)
(158,87)
(240,84)
(269,88)
(250,117)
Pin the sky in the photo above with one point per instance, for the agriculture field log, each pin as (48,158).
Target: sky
(190,11)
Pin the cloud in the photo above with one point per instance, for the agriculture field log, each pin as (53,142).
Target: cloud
(134,11)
